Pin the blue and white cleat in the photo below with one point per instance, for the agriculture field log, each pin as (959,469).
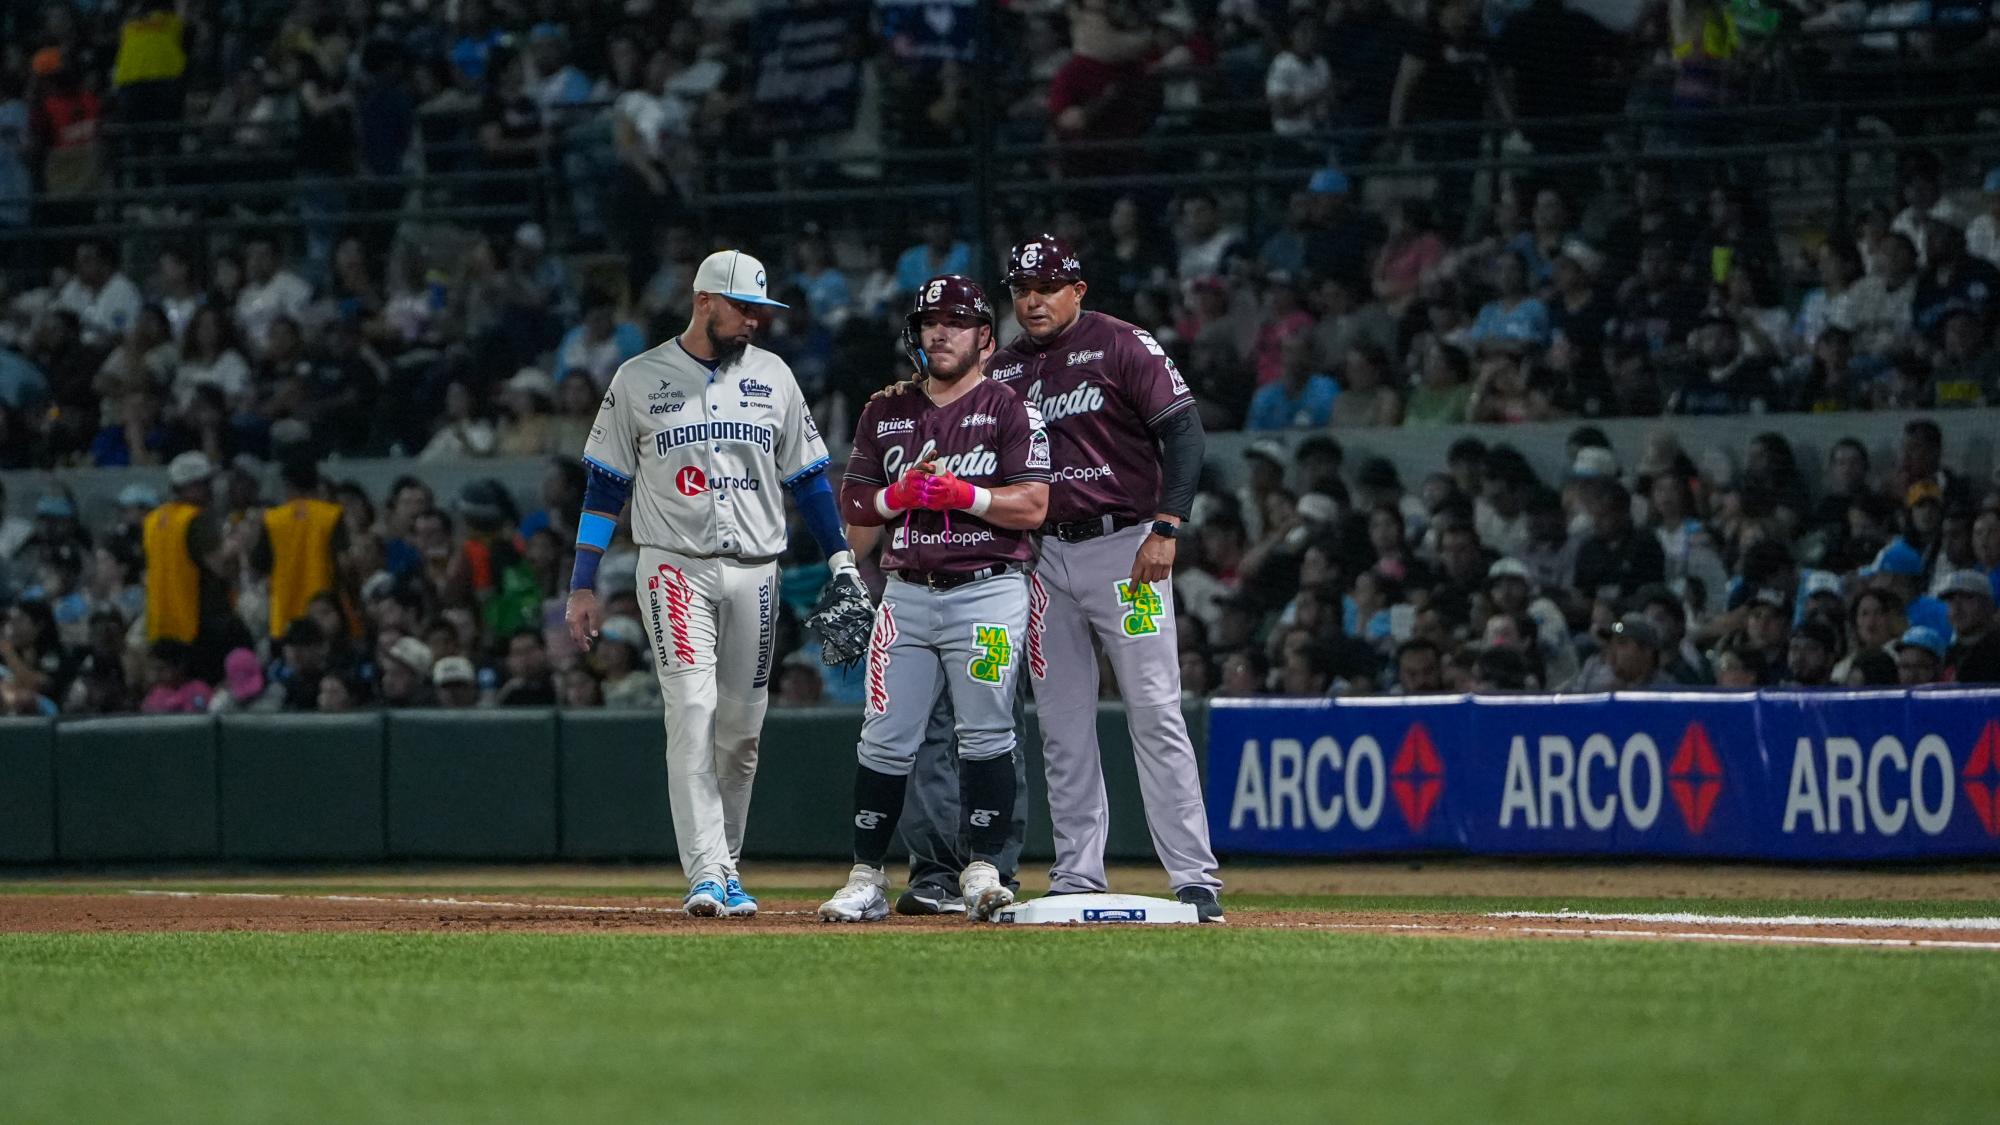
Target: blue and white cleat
(736,902)
(704,900)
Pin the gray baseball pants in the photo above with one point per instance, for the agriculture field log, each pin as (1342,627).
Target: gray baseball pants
(1081,590)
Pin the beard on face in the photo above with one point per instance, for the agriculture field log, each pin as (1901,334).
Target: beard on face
(727,351)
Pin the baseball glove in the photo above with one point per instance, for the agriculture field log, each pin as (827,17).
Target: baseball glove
(842,620)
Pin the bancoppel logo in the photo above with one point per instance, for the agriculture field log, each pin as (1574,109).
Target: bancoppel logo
(983,818)
(1082,399)
(1085,356)
(751,388)
(868,821)
(1011,371)
(1081,473)
(889,426)
(942,538)
(972,420)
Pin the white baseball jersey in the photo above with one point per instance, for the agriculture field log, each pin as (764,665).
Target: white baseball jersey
(708,454)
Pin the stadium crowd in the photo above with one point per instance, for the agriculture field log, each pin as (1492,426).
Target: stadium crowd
(1642,288)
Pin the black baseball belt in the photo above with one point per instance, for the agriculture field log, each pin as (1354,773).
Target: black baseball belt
(1082,531)
(952,580)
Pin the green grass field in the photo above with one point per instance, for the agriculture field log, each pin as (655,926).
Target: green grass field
(996,1025)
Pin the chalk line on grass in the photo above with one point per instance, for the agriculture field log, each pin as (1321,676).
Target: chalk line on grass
(1690,919)
(577,907)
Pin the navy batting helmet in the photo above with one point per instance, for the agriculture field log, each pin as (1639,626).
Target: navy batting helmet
(1043,258)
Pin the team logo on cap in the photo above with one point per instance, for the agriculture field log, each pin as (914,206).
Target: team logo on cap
(760,279)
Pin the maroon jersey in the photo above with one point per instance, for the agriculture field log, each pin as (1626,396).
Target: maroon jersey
(989,436)
(1103,386)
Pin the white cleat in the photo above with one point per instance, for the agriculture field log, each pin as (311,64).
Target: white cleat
(863,899)
(985,895)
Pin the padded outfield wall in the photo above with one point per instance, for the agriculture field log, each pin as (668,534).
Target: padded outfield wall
(519,784)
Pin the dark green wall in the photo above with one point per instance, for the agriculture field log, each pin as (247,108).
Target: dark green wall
(514,785)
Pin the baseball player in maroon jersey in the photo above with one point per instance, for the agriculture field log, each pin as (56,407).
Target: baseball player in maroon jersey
(958,470)
(1126,447)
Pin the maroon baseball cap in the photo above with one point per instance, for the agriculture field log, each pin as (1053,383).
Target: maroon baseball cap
(951,294)
(1043,258)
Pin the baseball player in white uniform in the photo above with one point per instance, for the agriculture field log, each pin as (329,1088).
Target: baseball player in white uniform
(701,432)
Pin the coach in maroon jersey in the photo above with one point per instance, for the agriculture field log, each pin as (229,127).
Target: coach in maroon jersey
(1126,450)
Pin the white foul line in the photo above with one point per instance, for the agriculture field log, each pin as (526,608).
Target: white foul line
(1766,939)
(576,907)
(1759,920)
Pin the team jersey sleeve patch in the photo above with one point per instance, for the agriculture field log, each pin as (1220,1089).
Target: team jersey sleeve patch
(613,442)
(1024,444)
(1150,379)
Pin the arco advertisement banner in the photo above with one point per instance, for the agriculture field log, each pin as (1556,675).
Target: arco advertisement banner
(1779,775)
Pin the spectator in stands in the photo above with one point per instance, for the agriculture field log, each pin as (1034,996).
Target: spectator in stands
(1634,654)
(145,356)
(1205,243)
(1515,322)
(64,114)
(270,290)
(209,357)
(1299,84)
(628,681)
(1447,77)
(1719,377)
(1920,656)
(600,344)
(1616,559)
(1444,396)
(1968,367)
(1366,398)
(242,683)
(292,680)
(176,689)
(1655,309)
(938,253)
(1923,199)
(1839,267)
(1411,249)
(339,693)
(462,433)
(1809,660)
(1300,398)
(104,300)
(1283,319)
(404,671)
(1952,280)
(529,681)
(456,683)
(527,429)
(141,437)
(1881,306)
(1974,656)
(1982,234)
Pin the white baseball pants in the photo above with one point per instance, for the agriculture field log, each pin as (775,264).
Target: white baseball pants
(711,621)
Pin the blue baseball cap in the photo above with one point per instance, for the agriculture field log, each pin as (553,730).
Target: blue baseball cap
(1329,181)
(55,507)
(1923,637)
(1898,558)
(735,275)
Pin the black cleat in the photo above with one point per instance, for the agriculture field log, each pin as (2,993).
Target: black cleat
(925,900)
(1208,908)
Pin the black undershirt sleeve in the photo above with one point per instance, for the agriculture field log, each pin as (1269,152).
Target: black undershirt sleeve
(1181,441)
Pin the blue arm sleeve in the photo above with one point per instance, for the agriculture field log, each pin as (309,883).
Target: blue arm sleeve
(604,496)
(822,515)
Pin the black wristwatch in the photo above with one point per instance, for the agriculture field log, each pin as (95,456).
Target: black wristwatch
(1166,530)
